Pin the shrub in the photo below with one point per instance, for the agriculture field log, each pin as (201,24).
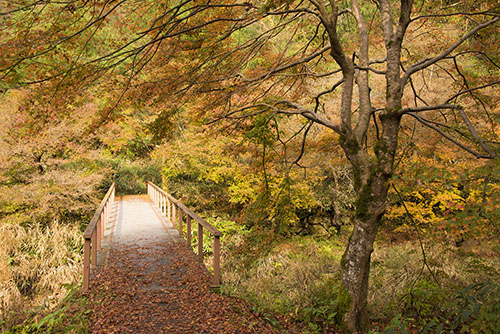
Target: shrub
(131,177)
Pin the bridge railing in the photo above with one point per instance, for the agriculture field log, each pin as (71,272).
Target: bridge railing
(95,232)
(174,210)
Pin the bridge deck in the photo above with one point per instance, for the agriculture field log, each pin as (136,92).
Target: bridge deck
(137,221)
(147,281)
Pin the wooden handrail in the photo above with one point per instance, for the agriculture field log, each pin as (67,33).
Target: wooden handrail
(95,232)
(167,204)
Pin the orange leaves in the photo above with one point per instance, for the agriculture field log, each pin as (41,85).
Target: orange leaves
(160,288)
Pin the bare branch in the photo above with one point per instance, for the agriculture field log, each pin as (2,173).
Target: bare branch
(428,108)
(287,66)
(429,61)
(483,13)
(445,135)
(473,89)
(475,134)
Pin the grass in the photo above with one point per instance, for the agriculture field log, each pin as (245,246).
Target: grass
(70,316)
(300,277)
(39,263)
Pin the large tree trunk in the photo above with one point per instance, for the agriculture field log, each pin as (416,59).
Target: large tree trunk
(356,268)
(371,184)
(356,260)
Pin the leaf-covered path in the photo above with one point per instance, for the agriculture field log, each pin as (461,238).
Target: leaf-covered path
(150,282)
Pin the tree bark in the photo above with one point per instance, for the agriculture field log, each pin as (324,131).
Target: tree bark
(355,273)
(370,207)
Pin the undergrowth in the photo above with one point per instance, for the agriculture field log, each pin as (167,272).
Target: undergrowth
(298,277)
(301,277)
(70,316)
(40,263)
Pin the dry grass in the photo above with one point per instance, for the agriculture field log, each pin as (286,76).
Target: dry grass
(301,277)
(294,276)
(41,239)
(397,269)
(36,264)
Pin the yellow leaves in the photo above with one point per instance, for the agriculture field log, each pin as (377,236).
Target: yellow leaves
(422,214)
(245,188)
(448,199)
(417,195)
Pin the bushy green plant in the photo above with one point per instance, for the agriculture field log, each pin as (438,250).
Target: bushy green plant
(330,302)
(479,308)
(476,309)
(131,177)
(424,299)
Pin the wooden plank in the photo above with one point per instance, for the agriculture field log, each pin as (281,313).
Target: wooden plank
(188,231)
(179,220)
(86,265)
(216,279)
(200,243)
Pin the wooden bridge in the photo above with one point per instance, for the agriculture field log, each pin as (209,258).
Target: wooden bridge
(145,277)
(158,218)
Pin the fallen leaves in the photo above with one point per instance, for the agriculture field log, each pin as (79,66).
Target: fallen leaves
(160,288)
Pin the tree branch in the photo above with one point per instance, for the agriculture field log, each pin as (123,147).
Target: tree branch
(429,61)
(445,135)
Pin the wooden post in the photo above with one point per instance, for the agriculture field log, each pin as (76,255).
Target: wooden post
(216,281)
(169,216)
(188,231)
(98,233)
(105,220)
(200,243)
(94,247)
(86,265)
(179,220)
(174,209)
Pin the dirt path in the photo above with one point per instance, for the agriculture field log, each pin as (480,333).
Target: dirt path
(151,282)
